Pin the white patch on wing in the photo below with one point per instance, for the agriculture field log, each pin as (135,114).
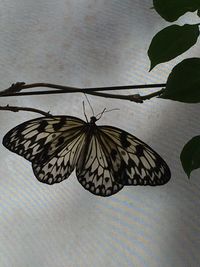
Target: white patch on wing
(145,163)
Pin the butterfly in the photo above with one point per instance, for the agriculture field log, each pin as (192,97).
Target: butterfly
(105,158)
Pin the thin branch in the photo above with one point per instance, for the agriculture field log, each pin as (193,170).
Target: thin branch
(17,109)
(15,90)
(17,87)
(134,98)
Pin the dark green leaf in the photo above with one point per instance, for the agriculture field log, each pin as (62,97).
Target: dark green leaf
(183,83)
(190,155)
(171,42)
(171,10)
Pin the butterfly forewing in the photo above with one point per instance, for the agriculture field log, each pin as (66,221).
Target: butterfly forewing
(142,165)
(36,140)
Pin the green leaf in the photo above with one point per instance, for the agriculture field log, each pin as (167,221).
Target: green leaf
(171,42)
(190,155)
(171,10)
(183,83)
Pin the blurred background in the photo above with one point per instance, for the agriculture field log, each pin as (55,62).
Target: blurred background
(87,43)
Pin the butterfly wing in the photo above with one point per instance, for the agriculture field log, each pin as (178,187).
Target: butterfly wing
(106,158)
(94,170)
(141,164)
(52,144)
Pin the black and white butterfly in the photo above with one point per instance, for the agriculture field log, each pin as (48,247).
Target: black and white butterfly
(106,158)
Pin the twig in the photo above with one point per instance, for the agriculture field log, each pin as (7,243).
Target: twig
(17,109)
(149,96)
(15,87)
(15,90)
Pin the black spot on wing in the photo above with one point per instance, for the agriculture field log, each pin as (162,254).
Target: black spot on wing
(107,179)
(113,154)
(60,124)
(42,126)
(44,155)
(119,175)
(61,140)
(50,165)
(139,150)
(123,138)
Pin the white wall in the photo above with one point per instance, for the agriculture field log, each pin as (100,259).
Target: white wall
(94,43)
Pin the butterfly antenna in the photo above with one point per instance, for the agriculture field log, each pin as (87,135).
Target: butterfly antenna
(113,109)
(104,111)
(89,104)
(84,111)
(100,114)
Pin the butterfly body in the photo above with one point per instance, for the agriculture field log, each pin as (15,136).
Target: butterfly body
(105,158)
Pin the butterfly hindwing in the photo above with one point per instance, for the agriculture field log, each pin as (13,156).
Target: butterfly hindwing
(94,170)
(62,163)
(142,165)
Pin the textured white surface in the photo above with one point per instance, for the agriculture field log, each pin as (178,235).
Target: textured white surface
(94,43)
